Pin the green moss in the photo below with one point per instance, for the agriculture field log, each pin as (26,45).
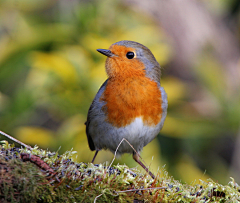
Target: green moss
(19,181)
(66,181)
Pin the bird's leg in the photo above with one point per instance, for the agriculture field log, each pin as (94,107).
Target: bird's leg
(136,158)
(95,155)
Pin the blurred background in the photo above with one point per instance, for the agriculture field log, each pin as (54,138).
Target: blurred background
(50,72)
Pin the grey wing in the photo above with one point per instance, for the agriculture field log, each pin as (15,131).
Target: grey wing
(164,105)
(91,113)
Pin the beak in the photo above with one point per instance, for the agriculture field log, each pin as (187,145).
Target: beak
(106,52)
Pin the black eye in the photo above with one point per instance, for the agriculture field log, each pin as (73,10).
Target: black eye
(130,55)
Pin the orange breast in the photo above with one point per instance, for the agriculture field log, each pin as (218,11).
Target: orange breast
(132,97)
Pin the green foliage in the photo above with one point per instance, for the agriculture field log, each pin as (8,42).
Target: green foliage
(50,72)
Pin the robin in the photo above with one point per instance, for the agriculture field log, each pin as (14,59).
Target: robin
(130,104)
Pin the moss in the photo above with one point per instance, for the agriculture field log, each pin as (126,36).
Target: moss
(19,181)
(48,177)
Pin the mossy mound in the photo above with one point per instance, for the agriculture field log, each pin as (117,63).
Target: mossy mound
(41,176)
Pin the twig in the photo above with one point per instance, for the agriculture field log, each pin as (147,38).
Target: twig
(37,161)
(132,190)
(15,140)
(95,200)
(115,154)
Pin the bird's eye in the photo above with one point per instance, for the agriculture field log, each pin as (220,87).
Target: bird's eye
(130,55)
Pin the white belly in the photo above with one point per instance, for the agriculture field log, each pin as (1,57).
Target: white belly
(137,134)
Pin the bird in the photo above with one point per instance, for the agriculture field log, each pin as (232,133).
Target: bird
(131,104)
